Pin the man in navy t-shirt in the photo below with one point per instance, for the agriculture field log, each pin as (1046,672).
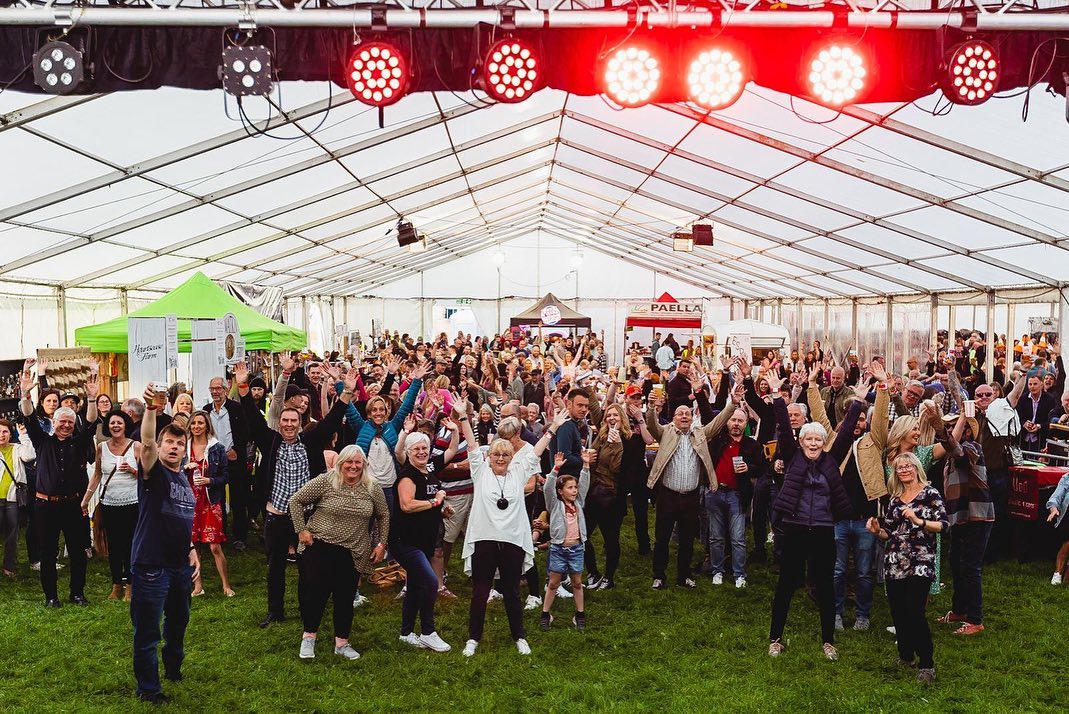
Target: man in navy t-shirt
(163,562)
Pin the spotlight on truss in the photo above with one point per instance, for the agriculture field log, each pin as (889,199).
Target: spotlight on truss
(247,70)
(682,242)
(972,73)
(715,78)
(836,75)
(377,73)
(511,71)
(58,67)
(632,76)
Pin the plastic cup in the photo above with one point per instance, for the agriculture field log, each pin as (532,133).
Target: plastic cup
(970,408)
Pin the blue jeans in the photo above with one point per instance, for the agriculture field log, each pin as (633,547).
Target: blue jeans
(968,542)
(853,535)
(422,588)
(159,593)
(724,513)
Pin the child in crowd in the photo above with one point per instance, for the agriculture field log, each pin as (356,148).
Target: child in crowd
(567,527)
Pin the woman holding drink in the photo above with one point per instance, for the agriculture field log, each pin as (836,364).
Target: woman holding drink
(207,471)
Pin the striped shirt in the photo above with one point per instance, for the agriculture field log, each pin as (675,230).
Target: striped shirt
(456,481)
(682,472)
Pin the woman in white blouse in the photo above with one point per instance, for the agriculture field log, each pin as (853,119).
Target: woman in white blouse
(115,473)
(498,538)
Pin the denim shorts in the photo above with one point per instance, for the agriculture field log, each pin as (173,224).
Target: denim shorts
(565,559)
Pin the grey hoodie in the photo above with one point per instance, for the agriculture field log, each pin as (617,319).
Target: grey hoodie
(555,506)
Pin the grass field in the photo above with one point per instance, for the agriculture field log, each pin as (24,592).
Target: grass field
(676,650)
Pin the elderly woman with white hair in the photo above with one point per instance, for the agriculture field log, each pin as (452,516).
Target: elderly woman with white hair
(421,501)
(811,499)
(499,531)
(336,544)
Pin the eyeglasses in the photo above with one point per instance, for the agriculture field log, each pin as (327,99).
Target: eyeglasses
(500,456)
(905,468)
(418,449)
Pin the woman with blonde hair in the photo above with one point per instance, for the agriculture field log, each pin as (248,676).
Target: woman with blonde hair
(207,470)
(336,544)
(914,516)
(907,434)
(606,501)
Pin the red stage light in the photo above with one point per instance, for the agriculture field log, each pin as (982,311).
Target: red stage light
(837,75)
(377,74)
(632,76)
(511,71)
(972,73)
(715,79)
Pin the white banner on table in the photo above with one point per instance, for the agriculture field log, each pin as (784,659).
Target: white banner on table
(172,341)
(147,348)
(204,358)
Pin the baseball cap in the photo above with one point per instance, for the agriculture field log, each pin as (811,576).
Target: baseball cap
(632,390)
(294,391)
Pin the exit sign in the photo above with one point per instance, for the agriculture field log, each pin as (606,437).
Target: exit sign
(463,301)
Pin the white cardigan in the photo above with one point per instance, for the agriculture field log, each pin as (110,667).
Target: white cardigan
(24,453)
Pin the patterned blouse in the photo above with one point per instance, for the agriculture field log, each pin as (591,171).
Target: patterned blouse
(341,516)
(910,551)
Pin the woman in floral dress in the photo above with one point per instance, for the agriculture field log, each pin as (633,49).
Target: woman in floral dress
(914,516)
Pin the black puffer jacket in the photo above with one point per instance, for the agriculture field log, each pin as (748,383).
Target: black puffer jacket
(797,465)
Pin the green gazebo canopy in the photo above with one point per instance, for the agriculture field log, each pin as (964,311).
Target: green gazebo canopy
(198,297)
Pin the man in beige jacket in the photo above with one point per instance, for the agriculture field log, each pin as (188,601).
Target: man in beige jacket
(682,464)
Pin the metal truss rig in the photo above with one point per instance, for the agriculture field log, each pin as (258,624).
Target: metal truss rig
(968,15)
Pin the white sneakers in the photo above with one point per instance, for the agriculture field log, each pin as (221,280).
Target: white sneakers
(564,593)
(521,646)
(360,600)
(1056,579)
(308,648)
(412,639)
(740,583)
(434,642)
(533,602)
(494,595)
(718,579)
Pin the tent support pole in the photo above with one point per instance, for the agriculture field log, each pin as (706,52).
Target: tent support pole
(853,327)
(933,326)
(1063,313)
(124,301)
(889,356)
(827,321)
(989,362)
(61,295)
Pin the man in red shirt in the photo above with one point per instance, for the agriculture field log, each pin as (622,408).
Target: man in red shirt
(739,461)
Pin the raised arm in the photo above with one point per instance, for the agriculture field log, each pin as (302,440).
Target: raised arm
(653,406)
(402,436)
(1017,391)
(148,431)
(786,444)
(278,397)
(844,438)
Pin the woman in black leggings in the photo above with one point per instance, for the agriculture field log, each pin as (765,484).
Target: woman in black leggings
(811,500)
(606,503)
(499,532)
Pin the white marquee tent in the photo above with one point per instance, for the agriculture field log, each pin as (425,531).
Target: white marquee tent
(869,227)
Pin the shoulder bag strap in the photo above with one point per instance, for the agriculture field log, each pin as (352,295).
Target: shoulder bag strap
(104,445)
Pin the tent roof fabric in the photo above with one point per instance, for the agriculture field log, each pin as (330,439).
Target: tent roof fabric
(533,315)
(198,297)
(806,202)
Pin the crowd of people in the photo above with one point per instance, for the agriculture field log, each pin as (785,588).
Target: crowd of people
(517,445)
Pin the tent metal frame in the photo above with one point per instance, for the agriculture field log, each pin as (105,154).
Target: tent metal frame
(1002,15)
